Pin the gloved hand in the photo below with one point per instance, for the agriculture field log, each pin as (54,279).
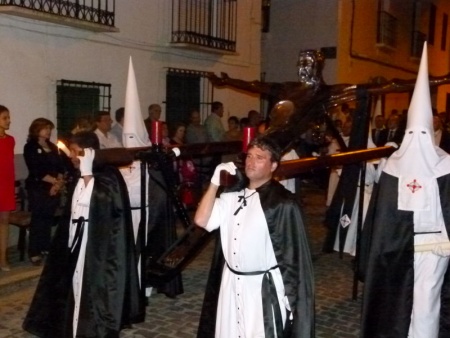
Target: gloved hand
(391,144)
(229,167)
(441,250)
(86,161)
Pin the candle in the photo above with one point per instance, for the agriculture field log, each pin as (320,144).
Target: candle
(248,135)
(156,135)
(61,146)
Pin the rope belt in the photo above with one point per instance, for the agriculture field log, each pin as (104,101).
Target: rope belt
(78,232)
(270,303)
(427,232)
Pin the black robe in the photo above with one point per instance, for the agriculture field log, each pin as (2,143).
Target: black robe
(110,296)
(387,263)
(291,249)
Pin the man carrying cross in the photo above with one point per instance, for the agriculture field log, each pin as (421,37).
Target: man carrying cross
(267,278)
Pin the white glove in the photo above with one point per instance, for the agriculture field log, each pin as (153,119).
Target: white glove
(391,144)
(441,250)
(229,167)
(86,161)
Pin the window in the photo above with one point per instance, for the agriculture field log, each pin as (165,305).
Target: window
(444,32)
(77,99)
(185,90)
(432,24)
(387,26)
(206,23)
(419,24)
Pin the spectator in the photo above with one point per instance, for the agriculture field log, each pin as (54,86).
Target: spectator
(195,131)
(394,133)
(154,114)
(7,197)
(379,133)
(177,134)
(441,135)
(83,123)
(107,140)
(44,183)
(213,124)
(117,129)
(243,122)
(165,134)
(265,253)
(233,133)
(254,118)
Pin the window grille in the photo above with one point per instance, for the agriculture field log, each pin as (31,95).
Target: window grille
(185,90)
(207,23)
(94,11)
(387,29)
(76,99)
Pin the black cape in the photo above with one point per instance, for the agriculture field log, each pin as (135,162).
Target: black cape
(110,298)
(291,249)
(387,263)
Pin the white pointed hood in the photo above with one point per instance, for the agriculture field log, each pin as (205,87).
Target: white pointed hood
(418,161)
(134,132)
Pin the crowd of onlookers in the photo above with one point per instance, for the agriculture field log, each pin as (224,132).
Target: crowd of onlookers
(48,171)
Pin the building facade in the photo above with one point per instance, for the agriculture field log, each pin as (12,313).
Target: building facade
(365,41)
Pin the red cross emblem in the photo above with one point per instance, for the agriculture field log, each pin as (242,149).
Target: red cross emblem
(414,186)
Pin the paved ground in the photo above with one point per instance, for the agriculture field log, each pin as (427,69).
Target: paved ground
(337,315)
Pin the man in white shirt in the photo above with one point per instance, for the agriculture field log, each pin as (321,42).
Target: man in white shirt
(267,287)
(103,131)
(117,129)
(213,123)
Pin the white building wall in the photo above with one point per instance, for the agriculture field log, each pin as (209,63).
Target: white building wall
(298,25)
(36,54)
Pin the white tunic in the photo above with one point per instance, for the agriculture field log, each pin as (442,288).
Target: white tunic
(80,208)
(132,177)
(247,247)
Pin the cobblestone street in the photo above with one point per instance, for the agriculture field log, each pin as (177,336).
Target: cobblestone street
(337,315)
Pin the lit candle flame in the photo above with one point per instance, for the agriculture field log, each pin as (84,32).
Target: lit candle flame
(63,147)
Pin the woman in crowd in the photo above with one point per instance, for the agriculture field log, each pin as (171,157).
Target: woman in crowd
(187,174)
(233,133)
(7,200)
(44,183)
(177,134)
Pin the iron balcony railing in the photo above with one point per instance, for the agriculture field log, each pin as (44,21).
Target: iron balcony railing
(94,11)
(206,23)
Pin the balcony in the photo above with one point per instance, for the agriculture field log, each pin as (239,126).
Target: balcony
(92,15)
(208,25)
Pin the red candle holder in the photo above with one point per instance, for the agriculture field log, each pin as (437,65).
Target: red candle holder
(156,132)
(248,135)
